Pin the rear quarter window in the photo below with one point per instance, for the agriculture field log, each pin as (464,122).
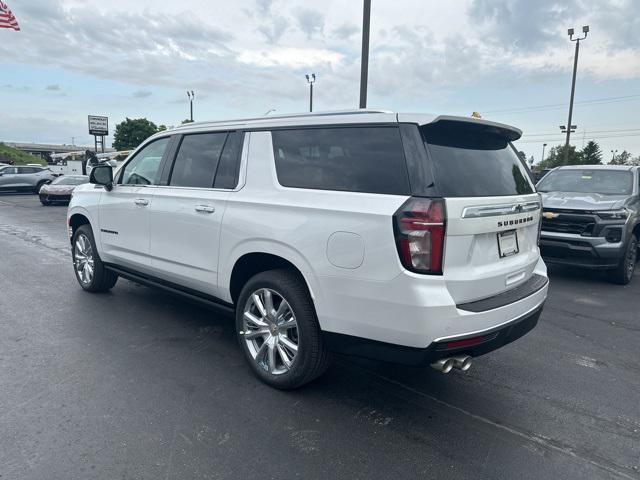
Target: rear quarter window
(468,161)
(353,159)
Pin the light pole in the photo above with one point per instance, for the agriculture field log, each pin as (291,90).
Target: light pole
(613,155)
(311,79)
(543,147)
(191,96)
(585,30)
(364,62)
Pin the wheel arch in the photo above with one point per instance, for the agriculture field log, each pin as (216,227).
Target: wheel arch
(76,219)
(255,257)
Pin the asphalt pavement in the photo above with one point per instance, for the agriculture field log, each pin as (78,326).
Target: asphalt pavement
(137,384)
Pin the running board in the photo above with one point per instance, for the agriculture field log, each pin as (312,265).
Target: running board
(186,293)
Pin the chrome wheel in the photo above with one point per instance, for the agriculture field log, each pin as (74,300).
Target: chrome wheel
(83,259)
(270,331)
(632,258)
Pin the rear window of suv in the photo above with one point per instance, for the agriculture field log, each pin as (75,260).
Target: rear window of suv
(353,159)
(469,161)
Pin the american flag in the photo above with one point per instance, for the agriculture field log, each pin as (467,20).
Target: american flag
(7,20)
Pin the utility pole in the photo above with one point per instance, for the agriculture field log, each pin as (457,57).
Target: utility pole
(364,62)
(613,156)
(543,147)
(585,30)
(191,96)
(311,79)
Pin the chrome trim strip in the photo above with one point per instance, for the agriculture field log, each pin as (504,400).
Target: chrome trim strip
(498,210)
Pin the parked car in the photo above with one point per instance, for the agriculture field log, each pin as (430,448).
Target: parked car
(591,218)
(409,238)
(60,189)
(23,178)
(539,174)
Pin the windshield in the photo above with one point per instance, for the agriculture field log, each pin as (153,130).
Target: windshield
(70,181)
(606,182)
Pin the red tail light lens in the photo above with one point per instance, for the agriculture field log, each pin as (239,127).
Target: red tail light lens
(419,226)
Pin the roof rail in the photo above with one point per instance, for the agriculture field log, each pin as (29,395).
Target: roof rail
(283,116)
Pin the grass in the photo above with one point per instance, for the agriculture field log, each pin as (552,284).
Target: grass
(18,156)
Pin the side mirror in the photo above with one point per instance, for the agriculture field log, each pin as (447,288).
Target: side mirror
(102,175)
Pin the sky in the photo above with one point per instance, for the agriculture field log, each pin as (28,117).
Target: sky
(509,60)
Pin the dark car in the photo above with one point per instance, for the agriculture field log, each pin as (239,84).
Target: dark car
(591,218)
(59,191)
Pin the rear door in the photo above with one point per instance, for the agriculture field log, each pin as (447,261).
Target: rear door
(492,208)
(186,215)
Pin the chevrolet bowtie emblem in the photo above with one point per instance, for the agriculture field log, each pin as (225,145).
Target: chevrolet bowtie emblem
(550,215)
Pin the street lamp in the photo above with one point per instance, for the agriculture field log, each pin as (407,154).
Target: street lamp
(191,96)
(543,147)
(570,32)
(613,155)
(311,79)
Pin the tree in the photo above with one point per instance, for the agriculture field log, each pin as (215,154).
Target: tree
(186,121)
(132,132)
(635,161)
(556,157)
(162,128)
(591,154)
(622,159)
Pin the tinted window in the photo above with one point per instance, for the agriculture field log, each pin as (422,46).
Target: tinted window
(469,161)
(28,170)
(8,170)
(356,159)
(229,166)
(197,160)
(145,166)
(606,182)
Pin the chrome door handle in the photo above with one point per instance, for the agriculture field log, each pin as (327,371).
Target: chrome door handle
(141,201)
(205,208)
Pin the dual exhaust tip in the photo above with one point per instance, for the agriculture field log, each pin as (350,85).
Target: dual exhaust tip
(460,362)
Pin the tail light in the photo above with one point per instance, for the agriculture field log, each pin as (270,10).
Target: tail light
(419,226)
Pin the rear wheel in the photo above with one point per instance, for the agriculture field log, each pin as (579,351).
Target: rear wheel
(45,202)
(626,268)
(278,330)
(90,271)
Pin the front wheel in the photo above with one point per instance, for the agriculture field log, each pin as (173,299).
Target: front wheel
(90,271)
(278,330)
(624,271)
(39,186)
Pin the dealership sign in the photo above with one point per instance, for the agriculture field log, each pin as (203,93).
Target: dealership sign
(98,126)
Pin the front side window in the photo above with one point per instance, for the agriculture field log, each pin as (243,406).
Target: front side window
(605,182)
(197,160)
(144,168)
(352,159)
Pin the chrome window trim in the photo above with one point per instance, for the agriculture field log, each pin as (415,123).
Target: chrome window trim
(502,209)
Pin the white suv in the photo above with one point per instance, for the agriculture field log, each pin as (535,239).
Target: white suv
(410,238)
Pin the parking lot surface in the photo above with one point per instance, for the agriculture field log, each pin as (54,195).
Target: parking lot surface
(136,384)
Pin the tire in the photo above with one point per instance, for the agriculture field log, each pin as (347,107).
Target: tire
(45,202)
(39,186)
(623,273)
(89,269)
(292,324)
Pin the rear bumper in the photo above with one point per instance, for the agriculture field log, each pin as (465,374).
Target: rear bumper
(475,344)
(579,251)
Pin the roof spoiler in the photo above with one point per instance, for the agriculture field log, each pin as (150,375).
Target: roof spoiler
(507,131)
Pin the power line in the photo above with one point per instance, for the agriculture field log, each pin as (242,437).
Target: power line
(583,131)
(555,106)
(596,137)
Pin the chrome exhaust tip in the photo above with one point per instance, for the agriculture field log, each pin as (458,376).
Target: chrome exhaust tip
(444,365)
(462,362)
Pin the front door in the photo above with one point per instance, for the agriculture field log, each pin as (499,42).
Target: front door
(124,211)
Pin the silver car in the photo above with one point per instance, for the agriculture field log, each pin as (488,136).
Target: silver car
(27,179)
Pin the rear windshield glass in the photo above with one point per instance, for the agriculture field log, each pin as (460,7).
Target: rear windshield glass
(471,162)
(70,181)
(607,182)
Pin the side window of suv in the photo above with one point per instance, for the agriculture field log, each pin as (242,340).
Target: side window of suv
(229,166)
(197,160)
(353,159)
(144,169)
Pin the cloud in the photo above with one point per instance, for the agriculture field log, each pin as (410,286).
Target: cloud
(274,29)
(345,31)
(141,94)
(311,22)
(53,88)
